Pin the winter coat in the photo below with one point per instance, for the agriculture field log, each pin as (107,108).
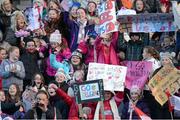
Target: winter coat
(107,54)
(30,61)
(9,107)
(140,104)
(74,31)
(49,114)
(11,38)
(9,77)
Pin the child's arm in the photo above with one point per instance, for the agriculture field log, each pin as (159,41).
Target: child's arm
(20,73)
(115,39)
(4,74)
(83,47)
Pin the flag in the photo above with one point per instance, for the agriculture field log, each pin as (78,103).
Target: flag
(175,101)
(171,107)
(141,114)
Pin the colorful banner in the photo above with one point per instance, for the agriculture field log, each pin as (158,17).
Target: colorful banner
(137,73)
(176,12)
(107,16)
(167,79)
(113,76)
(150,22)
(89,91)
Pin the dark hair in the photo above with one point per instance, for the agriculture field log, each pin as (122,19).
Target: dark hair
(17,96)
(55,1)
(33,78)
(42,92)
(29,40)
(2,48)
(151,50)
(134,6)
(82,9)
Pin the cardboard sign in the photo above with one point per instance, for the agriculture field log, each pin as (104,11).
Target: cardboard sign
(113,75)
(137,73)
(89,91)
(167,79)
(149,22)
(107,15)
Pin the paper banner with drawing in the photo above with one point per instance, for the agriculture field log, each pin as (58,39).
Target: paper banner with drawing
(176,12)
(89,91)
(113,76)
(168,78)
(150,22)
(107,16)
(137,73)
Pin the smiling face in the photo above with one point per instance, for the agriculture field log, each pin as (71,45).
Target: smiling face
(30,46)
(14,54)
(20,21)
(75,60)
(81,14)
(91,7)
(107,95)
(166,61)
(53,5)
(134,96)
(60,77)
(53,15)
(12,90)
(7,6)
(38,80)
(139,5)
(3,54)
(73,11)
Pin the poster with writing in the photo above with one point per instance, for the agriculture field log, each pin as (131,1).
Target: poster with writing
(137,73)
(176,12)
(89,91)
(149,22)
(113,75)
(107,16)
(167,79)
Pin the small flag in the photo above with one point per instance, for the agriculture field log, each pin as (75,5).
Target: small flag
(175,101)
(141,114)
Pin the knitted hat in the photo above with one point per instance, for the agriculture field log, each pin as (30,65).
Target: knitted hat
(61,71)
(135,89)
(76,4)
(168,55)
(55,37)
(77,53)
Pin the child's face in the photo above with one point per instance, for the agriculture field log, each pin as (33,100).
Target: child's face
(7,5)
(75,60)
(135,37)
(15,54)
(134,96)
(78,76)
(91,7)
(3,54)
(165,61)
(20,22)
(53,15)
(91,41)
(145,54)
(139,5)
(53,5)
(81,14)
(51,91)
(73,11)
(107,95)
(30,47)
(2,96)
(54,44)
(60,78)
(12,90)
(38,80)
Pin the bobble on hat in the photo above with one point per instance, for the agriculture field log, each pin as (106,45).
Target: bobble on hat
(135,89)
(168,55)
(55,37)
(77,53)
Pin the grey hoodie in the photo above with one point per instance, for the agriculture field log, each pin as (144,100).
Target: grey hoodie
(9,77)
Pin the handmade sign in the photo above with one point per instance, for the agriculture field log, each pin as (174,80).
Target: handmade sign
(167,79)
(107,15)
(113,75)
(150,22)
(137,73)
(29,95)
(89,91)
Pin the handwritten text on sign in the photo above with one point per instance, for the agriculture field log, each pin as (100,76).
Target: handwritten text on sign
(113,76)
(89,91)
(137,73)
(107,15)
(165,79)
(161,22)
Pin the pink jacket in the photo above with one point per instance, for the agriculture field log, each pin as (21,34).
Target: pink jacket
(88,51)
(64,54)
(107,54)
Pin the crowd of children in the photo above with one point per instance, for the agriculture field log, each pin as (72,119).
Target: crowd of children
(45,49)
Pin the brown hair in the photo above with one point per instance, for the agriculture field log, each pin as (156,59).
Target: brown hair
(151,50)
(17,96)
(12,48)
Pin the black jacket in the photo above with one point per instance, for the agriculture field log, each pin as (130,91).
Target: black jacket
(9,108)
